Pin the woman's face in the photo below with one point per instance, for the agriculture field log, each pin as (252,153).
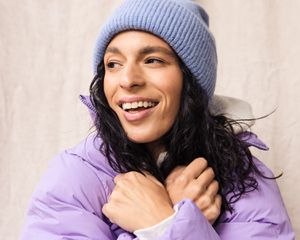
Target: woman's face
(142,84)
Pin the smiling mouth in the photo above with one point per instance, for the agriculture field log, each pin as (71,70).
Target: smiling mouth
(137,106)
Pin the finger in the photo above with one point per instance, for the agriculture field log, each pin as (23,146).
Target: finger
(204,202)
(212,205)
(211,215)
(206,177)
(218,201)
(106,210)
(122,183)
(212,188)
(213,212)
(195,168)
(118,177)
(207,198)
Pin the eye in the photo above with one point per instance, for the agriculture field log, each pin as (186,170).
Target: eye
(111,65)
(154,60)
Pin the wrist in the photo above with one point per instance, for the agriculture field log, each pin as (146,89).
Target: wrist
(157,217)
(156,231)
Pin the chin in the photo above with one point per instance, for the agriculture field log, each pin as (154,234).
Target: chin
(143,137)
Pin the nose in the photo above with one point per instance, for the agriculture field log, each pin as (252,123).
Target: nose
(132,77)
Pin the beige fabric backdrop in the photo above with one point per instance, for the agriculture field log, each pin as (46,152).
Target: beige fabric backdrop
(45,62)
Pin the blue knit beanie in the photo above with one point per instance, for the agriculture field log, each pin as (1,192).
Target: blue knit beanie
(183,24)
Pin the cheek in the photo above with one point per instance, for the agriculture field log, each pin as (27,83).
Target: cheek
(172,93)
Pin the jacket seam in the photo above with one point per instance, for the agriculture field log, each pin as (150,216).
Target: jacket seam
(91,168)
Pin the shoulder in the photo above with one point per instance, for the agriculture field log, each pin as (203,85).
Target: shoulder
(69,200)
(263,205)
(258,213)
(78,178)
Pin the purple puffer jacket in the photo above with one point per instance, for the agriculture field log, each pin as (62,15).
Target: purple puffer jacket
(68,201)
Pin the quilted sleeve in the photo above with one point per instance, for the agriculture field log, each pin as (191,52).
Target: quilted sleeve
(67,204)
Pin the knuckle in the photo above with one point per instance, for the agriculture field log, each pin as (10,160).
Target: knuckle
(215,210)
(212,213)
(201,188)
(131,174)
(182,179)
(194,190)
(205,202)
(218,201)
(210,217)
(119,184)
(214,188)
(118,178)
(106,209)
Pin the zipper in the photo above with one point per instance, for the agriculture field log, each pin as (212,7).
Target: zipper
(87,102)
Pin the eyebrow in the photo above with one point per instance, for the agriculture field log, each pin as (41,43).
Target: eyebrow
(153,49)
(144,51)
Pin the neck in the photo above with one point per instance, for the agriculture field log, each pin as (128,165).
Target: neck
(155,148)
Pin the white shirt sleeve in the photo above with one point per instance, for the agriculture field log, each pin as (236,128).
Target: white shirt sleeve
(153,232)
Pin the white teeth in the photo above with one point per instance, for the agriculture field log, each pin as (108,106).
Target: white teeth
(126,106)
(135,105)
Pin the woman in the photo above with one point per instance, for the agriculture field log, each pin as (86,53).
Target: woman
(161,165)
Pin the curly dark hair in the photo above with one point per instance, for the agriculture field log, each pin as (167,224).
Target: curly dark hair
(195,133)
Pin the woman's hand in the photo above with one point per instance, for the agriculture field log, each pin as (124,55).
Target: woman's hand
(196,182)
(137,202)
